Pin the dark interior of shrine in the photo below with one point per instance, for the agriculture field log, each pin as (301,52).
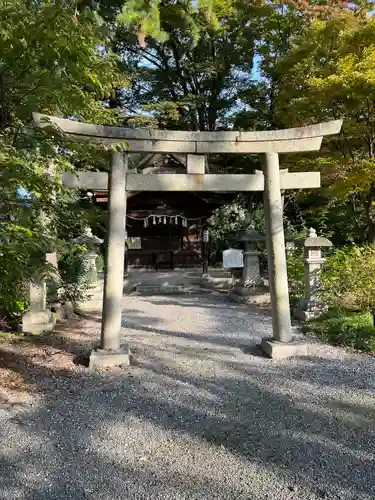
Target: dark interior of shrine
(164,229)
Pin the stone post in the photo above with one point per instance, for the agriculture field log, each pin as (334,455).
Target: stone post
(312,305)
(38,319)
(110,353)
(251,278)
(277,271)
(205,250)
(54,279)
(38,295)
(53,282)
(251,270)
(93,243)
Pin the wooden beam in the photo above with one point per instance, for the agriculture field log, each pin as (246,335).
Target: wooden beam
(191,182)
(181,158)
(147,160)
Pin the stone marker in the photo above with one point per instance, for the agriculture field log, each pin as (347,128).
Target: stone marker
(38,319)
(251,278)
(312,305)
(93,243)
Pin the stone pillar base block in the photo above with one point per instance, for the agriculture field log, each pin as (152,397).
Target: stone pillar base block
(257,299)
(36,322)
(246,291)
(281,350)
(62,311)
(305,315)
(308,309)
(103,358)
(216,283)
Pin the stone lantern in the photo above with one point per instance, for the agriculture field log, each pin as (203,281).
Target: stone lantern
(93,243)
(312,305)
(251,269)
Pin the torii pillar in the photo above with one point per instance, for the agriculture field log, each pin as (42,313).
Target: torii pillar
(111,352)
(194,146)
(281,344)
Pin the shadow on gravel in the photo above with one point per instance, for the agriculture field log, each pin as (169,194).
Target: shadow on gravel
(311,448)
(88,438)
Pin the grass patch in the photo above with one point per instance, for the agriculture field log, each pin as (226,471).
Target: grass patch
(45,338)
(10,337)
(355,330)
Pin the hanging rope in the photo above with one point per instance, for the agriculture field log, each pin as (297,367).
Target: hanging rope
(165,219)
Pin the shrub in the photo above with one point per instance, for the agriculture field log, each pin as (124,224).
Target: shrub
(19,261)
(349,278)
(228,222)
(345,328)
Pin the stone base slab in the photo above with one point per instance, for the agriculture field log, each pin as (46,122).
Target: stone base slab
(280,350)
(36,322)
(305,315)
(102,358)
(258,299)
(168,290)
(306,309)
(246,291)
(216,283)
(63,311)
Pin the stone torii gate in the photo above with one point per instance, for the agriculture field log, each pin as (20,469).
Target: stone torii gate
(194,146)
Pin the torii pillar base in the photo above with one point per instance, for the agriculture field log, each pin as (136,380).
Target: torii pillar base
(107,358)
(281,350)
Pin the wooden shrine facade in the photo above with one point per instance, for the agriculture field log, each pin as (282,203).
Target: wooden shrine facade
(164,229)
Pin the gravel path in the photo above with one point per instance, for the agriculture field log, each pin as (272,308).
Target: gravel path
(197,417)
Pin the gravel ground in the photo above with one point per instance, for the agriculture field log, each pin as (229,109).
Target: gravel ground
(198,417)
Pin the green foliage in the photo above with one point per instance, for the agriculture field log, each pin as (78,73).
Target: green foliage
(349,278)
(56,59)
(20,261)
(344,328)
(144,17)
(327,73)
(60,65)
(189,78)
(227,223)
(76,282)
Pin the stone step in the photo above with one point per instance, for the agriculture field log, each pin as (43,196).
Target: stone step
(166,289)
(216,283)
(193,280)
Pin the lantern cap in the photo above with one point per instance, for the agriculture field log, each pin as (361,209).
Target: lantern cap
(87,238)
(313,240)
(251,235)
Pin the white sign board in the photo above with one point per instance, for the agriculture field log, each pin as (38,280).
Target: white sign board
(232,258)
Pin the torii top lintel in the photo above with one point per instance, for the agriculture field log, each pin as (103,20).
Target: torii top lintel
(290,140)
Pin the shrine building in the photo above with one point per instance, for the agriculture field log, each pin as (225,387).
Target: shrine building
(164,228)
